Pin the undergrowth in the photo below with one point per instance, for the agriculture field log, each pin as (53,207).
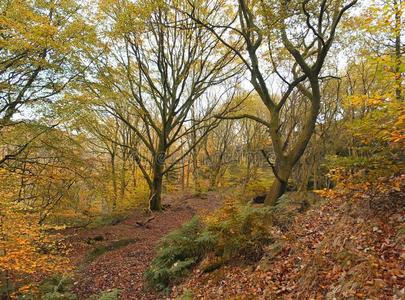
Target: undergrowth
(178,252)
(240,231)
(233,232)
(57,287)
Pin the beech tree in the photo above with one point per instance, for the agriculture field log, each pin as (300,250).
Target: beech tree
(159,67)
(383,22)
(216,149)
(41,46)
(286,42)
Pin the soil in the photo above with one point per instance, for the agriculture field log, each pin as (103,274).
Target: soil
(123,268)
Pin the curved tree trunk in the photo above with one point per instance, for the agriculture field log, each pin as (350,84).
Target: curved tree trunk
(277,189)
(286,161)
(279,186)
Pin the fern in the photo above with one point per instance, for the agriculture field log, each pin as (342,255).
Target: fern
(178,252)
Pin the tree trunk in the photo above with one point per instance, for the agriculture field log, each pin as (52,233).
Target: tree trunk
(248,173)
(277,189)
(183,175)
(315,186)
(156,186)
(155,202)
(213,180)
(303,186)
(280,183)
(196,179)
(286,161)
(188,173)
(114,181)
(123,182)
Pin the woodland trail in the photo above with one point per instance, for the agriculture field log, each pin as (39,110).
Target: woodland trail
(341,248)
(123,268)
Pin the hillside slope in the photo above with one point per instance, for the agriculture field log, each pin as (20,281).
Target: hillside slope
(350,247)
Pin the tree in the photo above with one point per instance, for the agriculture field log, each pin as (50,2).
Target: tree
(298,36)
(159,68)
(217,147)
(24,248)
(46,171)
(41,45)
(327,138)
(382,32)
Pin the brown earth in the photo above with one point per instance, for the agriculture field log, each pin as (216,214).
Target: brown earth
(123,268)
(349,247)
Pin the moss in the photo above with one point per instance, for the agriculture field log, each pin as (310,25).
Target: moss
(93,254)
(112,219)
(57,288)
(107,295)
(187,295)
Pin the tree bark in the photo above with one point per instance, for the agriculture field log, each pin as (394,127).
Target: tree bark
(279,186)
(156,186)
(114,181)
(277,189)
(155,202)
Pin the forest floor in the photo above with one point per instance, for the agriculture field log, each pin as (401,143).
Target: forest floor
(351,246)
(116,256)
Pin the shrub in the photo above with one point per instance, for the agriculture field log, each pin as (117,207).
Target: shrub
(178,252)
(231,232)
(57,287)
(59,296)
(241,231)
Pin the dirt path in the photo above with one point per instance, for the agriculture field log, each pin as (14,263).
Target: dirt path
(123,268)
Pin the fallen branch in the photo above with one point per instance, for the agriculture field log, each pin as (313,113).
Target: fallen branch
(144,223)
